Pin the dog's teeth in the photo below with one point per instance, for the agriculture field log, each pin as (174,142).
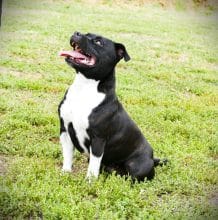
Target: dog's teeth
(77,48)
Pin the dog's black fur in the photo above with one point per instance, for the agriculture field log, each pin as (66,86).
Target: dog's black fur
(111,131)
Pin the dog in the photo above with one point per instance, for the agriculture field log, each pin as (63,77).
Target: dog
(93,120)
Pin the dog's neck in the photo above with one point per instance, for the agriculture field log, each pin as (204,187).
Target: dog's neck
(108,84)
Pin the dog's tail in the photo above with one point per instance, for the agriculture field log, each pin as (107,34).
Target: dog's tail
(159,162)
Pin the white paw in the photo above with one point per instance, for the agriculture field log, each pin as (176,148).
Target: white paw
(66,169)
(90,177)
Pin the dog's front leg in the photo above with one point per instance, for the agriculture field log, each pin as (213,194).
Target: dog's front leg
(67,147)
(96,154)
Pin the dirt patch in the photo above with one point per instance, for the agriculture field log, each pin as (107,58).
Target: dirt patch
(18,74)
(214,199)
(80,165)
(163,3)
(54,140)
(3,165)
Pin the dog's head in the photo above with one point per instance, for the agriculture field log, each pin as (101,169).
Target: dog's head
(94,56)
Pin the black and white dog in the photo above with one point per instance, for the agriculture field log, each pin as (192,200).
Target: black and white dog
(91,117)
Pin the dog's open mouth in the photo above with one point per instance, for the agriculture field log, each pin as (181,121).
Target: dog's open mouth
(78,56)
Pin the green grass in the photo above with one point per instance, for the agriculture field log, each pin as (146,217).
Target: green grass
(169,88)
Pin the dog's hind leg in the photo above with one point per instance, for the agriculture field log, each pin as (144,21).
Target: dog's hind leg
(140,167)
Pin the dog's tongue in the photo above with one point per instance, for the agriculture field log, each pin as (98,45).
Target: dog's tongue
(72,53)
(78,57)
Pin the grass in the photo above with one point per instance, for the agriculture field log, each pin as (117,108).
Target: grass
(169,88)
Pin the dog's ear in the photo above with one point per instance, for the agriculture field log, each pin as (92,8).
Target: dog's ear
(121,52)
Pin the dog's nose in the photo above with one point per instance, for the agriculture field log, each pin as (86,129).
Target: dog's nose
(75,38)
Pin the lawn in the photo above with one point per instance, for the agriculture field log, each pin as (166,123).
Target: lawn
(170,89)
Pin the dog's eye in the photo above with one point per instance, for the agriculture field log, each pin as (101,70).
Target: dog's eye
(98,42)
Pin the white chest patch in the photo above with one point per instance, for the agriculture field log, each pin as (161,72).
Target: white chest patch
(82,97)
